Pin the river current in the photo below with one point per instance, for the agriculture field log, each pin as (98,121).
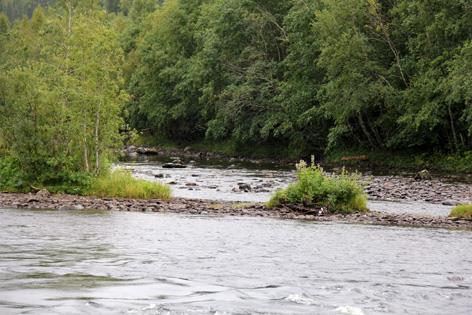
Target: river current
(89,262)
(94,262)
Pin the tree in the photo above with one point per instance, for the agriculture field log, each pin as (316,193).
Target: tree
(62,92)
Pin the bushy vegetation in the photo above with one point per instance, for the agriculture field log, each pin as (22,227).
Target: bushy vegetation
(315,188)
(462,212)
(61,96)
(312,75)
(305,75)
(121,184)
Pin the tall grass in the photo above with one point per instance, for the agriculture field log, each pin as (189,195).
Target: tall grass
(315,188)
(462,212)
(121,184)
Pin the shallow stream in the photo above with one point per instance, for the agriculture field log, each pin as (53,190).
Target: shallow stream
(220,180)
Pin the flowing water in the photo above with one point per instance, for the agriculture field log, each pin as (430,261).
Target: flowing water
(218,180)
(89,262)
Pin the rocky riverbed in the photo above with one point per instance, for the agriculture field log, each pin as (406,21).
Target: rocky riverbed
(221,180)
(399,188)
(43,200)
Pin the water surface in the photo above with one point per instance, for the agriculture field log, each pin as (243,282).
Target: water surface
(82,262)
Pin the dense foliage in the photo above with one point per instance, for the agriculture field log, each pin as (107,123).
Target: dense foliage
(308,75)
(60,96)
(314,188)
(312,74)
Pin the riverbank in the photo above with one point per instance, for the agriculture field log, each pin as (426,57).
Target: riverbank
(215,208)
(455,165)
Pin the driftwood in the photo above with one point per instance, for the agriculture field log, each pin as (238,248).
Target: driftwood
(355,158)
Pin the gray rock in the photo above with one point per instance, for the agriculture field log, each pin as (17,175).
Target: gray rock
(244,187)
(450,203)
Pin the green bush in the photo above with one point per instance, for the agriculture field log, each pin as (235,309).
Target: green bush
(462,212)
(121,184)
(314,188)
(11,176)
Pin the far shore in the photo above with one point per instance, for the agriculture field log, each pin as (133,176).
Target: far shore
(219,208)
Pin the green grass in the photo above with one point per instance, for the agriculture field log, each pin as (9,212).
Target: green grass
(121,184)
(314,188)
(462,212)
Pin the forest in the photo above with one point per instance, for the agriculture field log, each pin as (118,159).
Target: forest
(78,77)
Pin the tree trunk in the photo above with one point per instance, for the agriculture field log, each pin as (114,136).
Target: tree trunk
(86,160)
(453,129)
(97,140)
(365,130)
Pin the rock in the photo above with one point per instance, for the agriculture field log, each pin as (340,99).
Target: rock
(141,150)
(159,175)
(450,203)
(244,187)
(423,175)
(191,184)
(43,193)
(174,165)
(147,151)
(187,149)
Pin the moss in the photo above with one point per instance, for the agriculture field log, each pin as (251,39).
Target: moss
(313,187)
(462,212)
(122,184)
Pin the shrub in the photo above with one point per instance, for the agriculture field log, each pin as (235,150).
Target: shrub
(11,176)
(462,212)
(314,188)
(121,184)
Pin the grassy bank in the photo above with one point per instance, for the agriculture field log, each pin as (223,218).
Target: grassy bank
(462,212)
(121,184)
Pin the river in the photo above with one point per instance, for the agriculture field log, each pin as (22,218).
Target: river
(218,180)
(89,262)
(99,262)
